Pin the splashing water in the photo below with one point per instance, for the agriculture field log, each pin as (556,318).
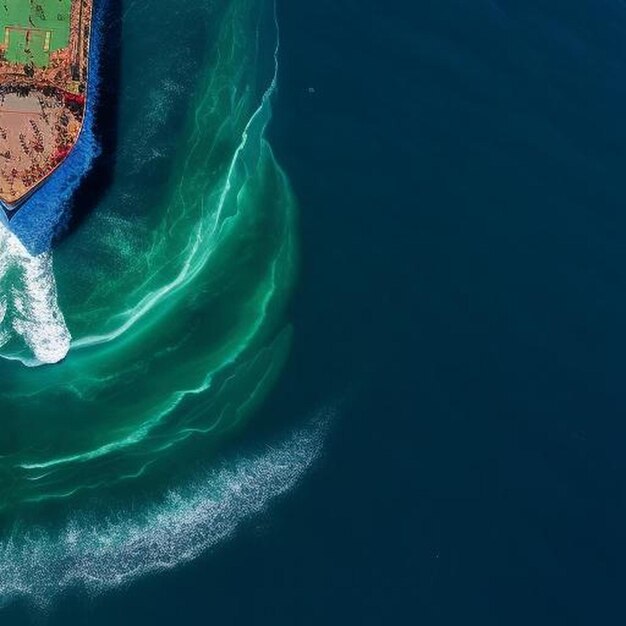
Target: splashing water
(29,311)
(100,553)
(174,290)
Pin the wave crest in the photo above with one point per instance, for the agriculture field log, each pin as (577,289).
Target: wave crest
(32,325)
(95,554)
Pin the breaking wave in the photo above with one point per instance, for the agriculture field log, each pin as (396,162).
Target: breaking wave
(32,326)
(96,553)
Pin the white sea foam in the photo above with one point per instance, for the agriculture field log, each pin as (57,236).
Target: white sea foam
(96,554)
(29,309)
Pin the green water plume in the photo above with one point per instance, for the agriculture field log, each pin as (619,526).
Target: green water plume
(174,289)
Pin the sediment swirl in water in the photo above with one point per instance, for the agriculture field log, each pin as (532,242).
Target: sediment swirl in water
(173,290)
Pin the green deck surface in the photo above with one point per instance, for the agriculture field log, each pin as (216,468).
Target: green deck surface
(25,25)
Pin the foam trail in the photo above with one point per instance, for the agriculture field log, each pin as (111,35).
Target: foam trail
(199,252)
(28,292)
(96,555)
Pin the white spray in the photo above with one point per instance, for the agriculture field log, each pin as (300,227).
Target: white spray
(30,316)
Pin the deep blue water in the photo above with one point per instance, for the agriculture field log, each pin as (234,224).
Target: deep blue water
(460,172)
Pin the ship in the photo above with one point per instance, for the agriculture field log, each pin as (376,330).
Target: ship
(44,67)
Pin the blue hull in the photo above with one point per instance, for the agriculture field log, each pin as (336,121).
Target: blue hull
(41,216)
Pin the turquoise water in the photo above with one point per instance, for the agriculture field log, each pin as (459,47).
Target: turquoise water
(459,174)
(149,335)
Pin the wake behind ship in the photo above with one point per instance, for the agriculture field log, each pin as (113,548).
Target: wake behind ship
(44,63)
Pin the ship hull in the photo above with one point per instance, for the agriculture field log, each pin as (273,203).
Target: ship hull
(10,208)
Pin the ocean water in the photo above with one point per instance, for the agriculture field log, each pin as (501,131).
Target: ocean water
(146,333)
(344,308)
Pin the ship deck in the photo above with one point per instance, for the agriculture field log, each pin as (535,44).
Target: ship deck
(44,49)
